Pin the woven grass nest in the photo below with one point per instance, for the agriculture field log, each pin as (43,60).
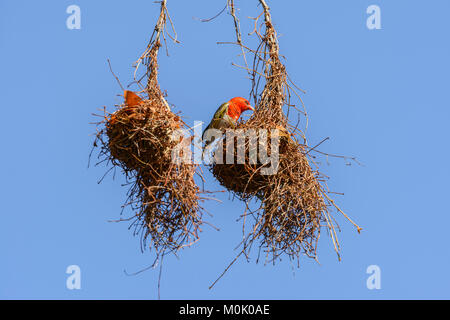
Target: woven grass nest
(163,194)
(139,139)
(292,203)
(141,135)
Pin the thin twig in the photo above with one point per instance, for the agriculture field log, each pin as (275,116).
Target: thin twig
(118,81)
(210,19)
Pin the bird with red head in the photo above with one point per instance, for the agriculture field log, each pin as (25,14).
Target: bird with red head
(227,116)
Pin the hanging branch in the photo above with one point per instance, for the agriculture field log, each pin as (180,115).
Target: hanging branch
(237,27)
(150,56)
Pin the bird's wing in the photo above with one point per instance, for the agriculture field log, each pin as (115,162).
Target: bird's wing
(218,117)
(219,121)
(221,111)
(222,123)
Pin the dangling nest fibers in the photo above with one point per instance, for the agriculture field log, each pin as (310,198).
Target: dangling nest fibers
(294,205)
(139,140)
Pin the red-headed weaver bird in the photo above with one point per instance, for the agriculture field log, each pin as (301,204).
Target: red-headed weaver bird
(227,116)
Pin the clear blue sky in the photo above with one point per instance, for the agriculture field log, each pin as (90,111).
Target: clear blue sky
(381,95)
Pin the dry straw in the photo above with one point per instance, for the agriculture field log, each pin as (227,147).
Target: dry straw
(294,204)
(139,140)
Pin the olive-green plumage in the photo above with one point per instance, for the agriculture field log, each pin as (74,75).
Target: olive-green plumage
(221,120)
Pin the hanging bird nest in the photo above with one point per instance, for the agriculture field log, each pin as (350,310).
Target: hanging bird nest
(294,204)
(141,135)
(139,138)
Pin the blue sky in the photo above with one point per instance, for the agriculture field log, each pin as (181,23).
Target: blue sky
(380,95)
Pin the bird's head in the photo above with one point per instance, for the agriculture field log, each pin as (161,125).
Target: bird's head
(242,104)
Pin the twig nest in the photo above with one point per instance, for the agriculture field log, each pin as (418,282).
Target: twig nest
(141,135)
(248,177)
(292,205)
(140,140)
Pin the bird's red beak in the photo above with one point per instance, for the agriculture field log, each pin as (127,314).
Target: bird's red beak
(250,108)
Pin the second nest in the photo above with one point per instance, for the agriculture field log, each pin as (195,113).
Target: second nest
(292,207)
